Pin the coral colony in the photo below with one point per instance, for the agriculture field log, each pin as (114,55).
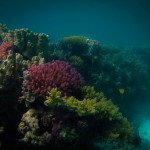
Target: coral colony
(4,48)
(65,93)
(42,78)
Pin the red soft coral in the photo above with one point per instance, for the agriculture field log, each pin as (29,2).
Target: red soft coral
(4,48)
(53,74)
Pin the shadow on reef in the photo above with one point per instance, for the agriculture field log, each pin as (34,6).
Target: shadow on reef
(9,118)
(57,95)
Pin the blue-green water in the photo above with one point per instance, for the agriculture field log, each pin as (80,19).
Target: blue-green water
(123,23)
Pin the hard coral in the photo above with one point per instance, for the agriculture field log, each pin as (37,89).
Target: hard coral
(94,105)
(29,129)
(8,74)
(74,44)
(29,44)
(57,74)
(54,98)
(4,48)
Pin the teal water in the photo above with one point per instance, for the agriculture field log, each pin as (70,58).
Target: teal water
(123,23)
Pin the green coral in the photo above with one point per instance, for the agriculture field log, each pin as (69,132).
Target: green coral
(89,93)
(93,103)
(85,107)
(53,99)
(97,106)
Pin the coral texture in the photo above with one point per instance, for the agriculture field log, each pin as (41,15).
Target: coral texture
(29,127)
(3,28)
(28,43)
(7,72)
(73,115)
(74,44)
(57,74)
(97,106)
(4,48)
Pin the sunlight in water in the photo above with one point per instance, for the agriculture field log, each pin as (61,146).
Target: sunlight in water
(144,130)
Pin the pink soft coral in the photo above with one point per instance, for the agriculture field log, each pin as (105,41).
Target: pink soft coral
(58,74)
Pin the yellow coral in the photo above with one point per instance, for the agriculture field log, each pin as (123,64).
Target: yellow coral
(94,103)
(85,107)
(90,93)
(97,105)
(54,98)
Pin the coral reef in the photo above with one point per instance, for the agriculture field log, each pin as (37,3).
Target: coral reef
(54,132)
(29,44)
(61,112)
(67,120)
(110,68)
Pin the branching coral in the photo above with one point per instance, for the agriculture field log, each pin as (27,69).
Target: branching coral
(54,98)
(94,103)
(97,106)
(4,48)
(58,74)
(29,127)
